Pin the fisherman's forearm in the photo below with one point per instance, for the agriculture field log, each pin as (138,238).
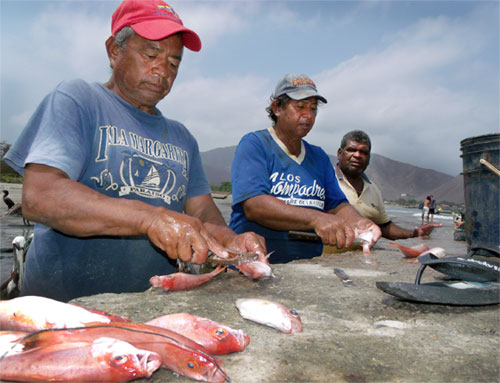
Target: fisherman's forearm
(394,232)
(50,198)
(274,214)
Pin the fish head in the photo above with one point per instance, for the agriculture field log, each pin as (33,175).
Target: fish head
(296,323)
(228,339)
(199,365)
(256,270)
(165,282)
(125,359)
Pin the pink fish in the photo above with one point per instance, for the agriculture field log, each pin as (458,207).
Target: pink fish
(270,313)
(439,252)
(114,318)
(178,353)
(32,313)
(9,342)
(217,338)
(183,281)
(258,269)
(410,252)
(365,239)
(102,360)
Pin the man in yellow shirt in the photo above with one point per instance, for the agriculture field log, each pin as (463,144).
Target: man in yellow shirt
(353,159)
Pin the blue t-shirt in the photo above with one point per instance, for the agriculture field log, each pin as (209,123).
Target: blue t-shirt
(101,141)
(261,167)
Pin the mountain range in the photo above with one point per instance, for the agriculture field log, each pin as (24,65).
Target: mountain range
(395,179)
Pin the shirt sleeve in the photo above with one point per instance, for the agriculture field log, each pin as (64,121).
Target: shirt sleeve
(382,218)
(334,194)
(198,183)
(55,136)
(249,171)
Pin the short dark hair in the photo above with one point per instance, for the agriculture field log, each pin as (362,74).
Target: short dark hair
(281,101)
(358,136)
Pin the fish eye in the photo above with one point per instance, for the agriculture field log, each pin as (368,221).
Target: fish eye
(120,359)
(191,364)
(293,312)
(220,332)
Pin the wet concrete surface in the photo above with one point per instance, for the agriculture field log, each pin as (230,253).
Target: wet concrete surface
(351,334)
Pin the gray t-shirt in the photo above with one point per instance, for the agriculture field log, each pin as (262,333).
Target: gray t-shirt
(103,142)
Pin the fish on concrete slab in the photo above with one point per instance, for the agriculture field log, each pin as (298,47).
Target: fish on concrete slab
(101,360)
(215,337)
(33,313)
(410,252)
(183,281)
(179,353)
(270,313)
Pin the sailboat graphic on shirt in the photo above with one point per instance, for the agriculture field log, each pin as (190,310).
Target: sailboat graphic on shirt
(152,179)
(146,178)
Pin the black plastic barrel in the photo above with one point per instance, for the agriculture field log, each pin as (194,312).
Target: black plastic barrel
(480,156)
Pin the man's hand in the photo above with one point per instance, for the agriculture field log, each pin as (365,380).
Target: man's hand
(333,230)
(180,236)
(425,230)
(249,243)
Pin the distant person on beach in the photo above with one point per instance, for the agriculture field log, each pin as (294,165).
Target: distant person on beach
(282,183)
(116,188)
(432,208)
(353,159)
(425,209)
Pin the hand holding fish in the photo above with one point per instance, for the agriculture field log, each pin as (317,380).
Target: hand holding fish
(333,230)
(181,236)
(425,230)
(249,243)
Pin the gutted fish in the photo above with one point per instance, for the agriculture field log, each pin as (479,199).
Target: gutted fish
(183,281)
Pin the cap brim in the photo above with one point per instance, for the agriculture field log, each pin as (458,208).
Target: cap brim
(160,29)
(305,93)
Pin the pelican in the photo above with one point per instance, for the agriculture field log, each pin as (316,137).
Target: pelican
(12,286)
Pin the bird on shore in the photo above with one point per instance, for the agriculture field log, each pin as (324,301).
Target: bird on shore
(8,201)
(11,287)
(14,208)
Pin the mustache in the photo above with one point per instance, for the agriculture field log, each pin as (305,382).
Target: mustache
(157,81)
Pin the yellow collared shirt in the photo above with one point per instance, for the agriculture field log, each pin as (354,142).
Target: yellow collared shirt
(369,203)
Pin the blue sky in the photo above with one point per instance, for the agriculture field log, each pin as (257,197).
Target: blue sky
(417,76)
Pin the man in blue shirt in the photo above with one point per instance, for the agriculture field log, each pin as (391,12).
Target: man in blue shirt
(117,189)
(282,183)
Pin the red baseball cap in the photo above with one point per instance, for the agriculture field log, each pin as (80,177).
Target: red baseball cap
(153,20)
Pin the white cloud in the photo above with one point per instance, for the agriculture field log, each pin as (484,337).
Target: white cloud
(218,111)
(400,96)
(417,94)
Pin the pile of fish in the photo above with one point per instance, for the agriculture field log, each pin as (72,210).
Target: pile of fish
(41,337)
(45,340)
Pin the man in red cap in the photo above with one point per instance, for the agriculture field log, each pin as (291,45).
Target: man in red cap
(116,188)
